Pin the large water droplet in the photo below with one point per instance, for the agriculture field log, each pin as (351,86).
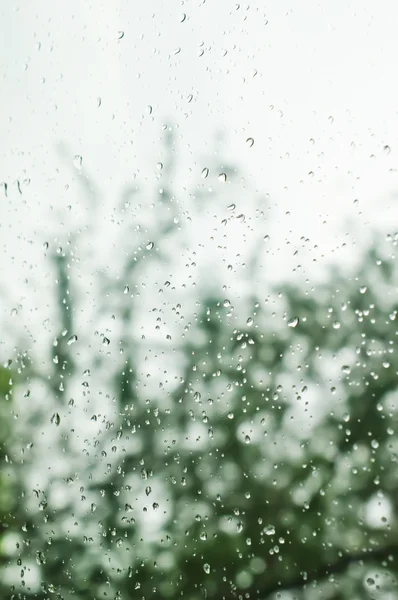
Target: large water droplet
(77,161)
(56,419)
(293,322)
(269,530)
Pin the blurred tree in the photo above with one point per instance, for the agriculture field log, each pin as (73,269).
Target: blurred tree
(235,450)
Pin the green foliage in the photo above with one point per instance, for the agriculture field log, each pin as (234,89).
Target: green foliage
(234,457)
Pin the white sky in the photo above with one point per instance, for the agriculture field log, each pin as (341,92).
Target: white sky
(284,75)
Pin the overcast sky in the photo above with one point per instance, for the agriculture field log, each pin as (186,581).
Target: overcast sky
(312,83)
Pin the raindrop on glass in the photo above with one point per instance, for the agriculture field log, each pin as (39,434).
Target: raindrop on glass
(269,530)
(77,161)
(56,419)
(293,322)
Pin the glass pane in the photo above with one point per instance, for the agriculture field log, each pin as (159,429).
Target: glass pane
(198,382)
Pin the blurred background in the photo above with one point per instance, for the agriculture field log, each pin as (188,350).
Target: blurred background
(198,301)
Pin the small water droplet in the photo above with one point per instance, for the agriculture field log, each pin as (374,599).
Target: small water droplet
(56,419)
(183,16)
(249,322)
(226,303)
(386,149)
(148,490)
(177,51)
(206,568)
(231,206)
(203,536)
(247,439)
(120,35)
(106,341)
(222,177)
(363,289)
(336,325)
(250,141)
(150,245)
(99,101)
(331,119)
(205,173)
(293,322)
(45,245)
(72,340)
(159,166)
(346,369)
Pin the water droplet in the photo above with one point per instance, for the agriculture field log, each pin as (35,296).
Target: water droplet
(77,161)
(148,490)
(45,245)
(269,530)
(106,341)
(346,369)
(247,439)
(120,35)
(206,568)
(231,207)
(386,149)
(183,17)
(249,322)
(72,340)
(293,322)
(99,101)
(205,173)
(26,394)
(159,166)
(126,289)
(222,177)
(331,119)
(203,536)
(149,109)
(370,581)
(226,303)
(250,141)
(56,419)
(336,325)
(177,51)
(150,245)
(363,289)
